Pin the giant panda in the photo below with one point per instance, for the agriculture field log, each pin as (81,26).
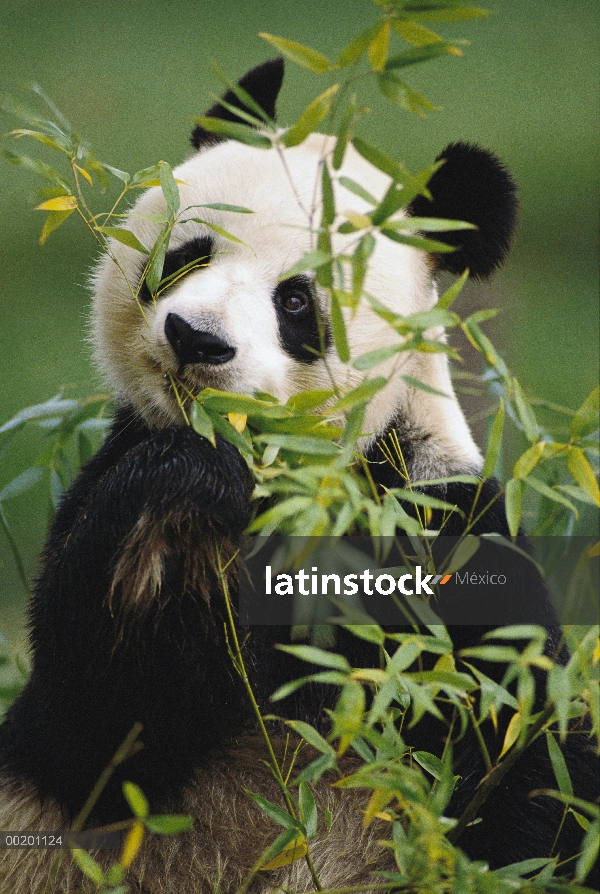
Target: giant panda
(126,624)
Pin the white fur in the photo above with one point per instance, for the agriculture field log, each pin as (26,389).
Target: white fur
(232,297)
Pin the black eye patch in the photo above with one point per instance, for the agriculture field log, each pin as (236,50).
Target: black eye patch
(303,332)
(199,249)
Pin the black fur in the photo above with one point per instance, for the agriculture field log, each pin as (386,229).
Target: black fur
(262,83)
(199,249)
(304,335)
(474,186)
(168,666)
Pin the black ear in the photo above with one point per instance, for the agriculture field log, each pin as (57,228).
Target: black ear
(472,185)
(262,83)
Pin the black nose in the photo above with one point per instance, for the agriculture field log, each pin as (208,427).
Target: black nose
(194,345)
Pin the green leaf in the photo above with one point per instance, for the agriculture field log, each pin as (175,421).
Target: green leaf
(429,762)
(360,262)
(88,865)
(169,188)
(559,765)
(494,443)
(217,229)
(21,483)
(430,224)
(357,46)
(374,358)
(399,92)
(421,386)
(338,329)
(310,118)
(583,473)
(317,656)
(168,825)
(526,414)
(201,423)
(357,189)
(550,493)
(310,261)
(52,222)
(39,168)
(124,236)
(311,446)
(281,843)
(381,160)
(244,97)
(379,46)
(344,133)
(157,260)
(586,420)
(464,552)
(136,799)
(429,245)
(276,813)
(223,206)
(419,54)
(233,130)
(360,394)
(308,810)
(297,52)
(514,495)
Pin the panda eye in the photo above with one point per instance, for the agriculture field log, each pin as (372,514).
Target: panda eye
(295,302)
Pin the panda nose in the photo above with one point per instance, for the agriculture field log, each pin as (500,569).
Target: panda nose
(194,345)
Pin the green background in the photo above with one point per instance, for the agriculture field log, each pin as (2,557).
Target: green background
(131,75)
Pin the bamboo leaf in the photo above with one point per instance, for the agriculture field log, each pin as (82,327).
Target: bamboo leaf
(169,188)
(338,330)
(233,130)
(60,203)
(52,222)
(22,483)
(526,414)
(124,236)
(379,47)
(132,845)
(357,46)
(297,52)
(583,473)
(310,118)
(296,849)
(512,732)
(514,495)
(528,460)
(559,765)
(586,419)
(136,799)
(494,444)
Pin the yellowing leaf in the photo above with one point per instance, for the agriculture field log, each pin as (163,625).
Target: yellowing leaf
(360,221)
(54,220)
(84,174)
(295,850)
(528,460)
(583,473)
(379,46)
(60,203)
(238,420)
(512,732)
(378,800)
(133,843)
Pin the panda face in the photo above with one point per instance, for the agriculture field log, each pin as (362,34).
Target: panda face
(235,321)
(232,322)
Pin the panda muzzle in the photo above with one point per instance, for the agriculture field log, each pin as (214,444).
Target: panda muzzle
(195,345)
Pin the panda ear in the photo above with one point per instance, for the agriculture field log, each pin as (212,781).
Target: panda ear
(262,83)
(472,185)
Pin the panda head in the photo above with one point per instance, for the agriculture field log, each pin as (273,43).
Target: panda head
(233,323)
